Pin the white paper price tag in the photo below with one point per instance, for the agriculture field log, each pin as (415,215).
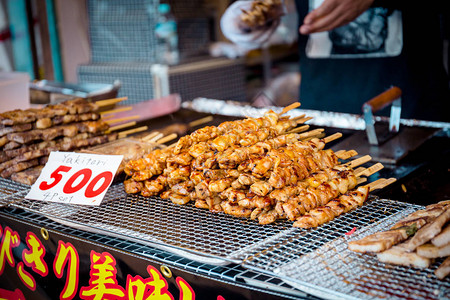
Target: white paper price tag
(76,178)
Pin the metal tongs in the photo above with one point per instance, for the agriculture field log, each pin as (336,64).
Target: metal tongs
(390,97)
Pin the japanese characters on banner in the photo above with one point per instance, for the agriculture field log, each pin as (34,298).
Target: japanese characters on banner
(75,178)
(32,265)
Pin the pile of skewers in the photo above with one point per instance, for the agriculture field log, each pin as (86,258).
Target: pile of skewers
(262,12)
(416,240)
(28,136)
(266,168)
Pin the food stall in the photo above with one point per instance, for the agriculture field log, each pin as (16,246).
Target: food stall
(181,197)
(134,246)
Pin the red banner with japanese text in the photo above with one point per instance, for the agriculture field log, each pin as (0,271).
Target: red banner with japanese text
(37,263)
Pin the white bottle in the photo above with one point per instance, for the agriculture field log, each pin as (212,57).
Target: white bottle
(166,36)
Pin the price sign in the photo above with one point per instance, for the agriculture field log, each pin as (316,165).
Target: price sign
(76,178)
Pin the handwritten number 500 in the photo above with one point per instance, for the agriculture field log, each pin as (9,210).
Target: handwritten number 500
(68,188)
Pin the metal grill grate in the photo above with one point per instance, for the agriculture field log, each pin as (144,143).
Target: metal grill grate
(315,261)
(186,230)
(10,191)
(233,273)
(215,78)
(298,242)
(334,271)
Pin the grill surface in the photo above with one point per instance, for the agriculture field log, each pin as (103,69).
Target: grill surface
(315,261)
(11,191)
(355,275)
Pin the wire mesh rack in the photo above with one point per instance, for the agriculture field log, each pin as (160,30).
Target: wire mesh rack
(122,31)
(234,274)
(315,261)
(360,276)
(217,78)
(136,79)
(11,191)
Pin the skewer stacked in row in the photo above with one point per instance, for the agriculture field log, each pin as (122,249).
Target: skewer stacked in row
(256,167)
(416,240)
(261,13)
(28,136)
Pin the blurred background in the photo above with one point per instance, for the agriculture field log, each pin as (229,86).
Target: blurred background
(116,43)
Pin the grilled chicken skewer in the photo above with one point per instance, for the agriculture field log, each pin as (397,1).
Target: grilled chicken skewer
(163,161)
(247,168)
(315,196)
(73,107)
(237,202)
(144,168)
(261,205)
(246,133)
(338,206)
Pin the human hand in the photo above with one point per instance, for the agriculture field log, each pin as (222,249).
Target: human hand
(333,13)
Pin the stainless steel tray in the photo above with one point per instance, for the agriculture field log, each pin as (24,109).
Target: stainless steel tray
(320,118)
(315,260)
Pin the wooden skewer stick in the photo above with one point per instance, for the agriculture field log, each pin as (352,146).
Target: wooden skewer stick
(113,111)
(357,162)
(172,145)
(155,138)
(299,129)
(332,137)
(124,134)
(340,152)
(361,180)
(289,107)
(303,120)
(372,186)
(317,136)
(109,121)
(201,121)
(121,126)
(381,183)
(311,133)
(108,117)
(150,136)
(359,170)
(299,117)
(167,138)
(386,183)
(344,155)
(371,170)
(107,102)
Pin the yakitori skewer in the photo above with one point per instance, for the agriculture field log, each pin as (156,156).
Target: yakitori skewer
(167,138)
(257,167)
(289,107)
(154,138)
(113,111)
(357,162)
(299,117)
(201,121)
(344,155)
(114,121)
(308,134)
(340,205)
(121,126)
(124,134)
(299,129)
(150,136)
(107,102)
(303,120)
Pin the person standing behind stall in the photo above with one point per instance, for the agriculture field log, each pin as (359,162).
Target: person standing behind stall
(353,50)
